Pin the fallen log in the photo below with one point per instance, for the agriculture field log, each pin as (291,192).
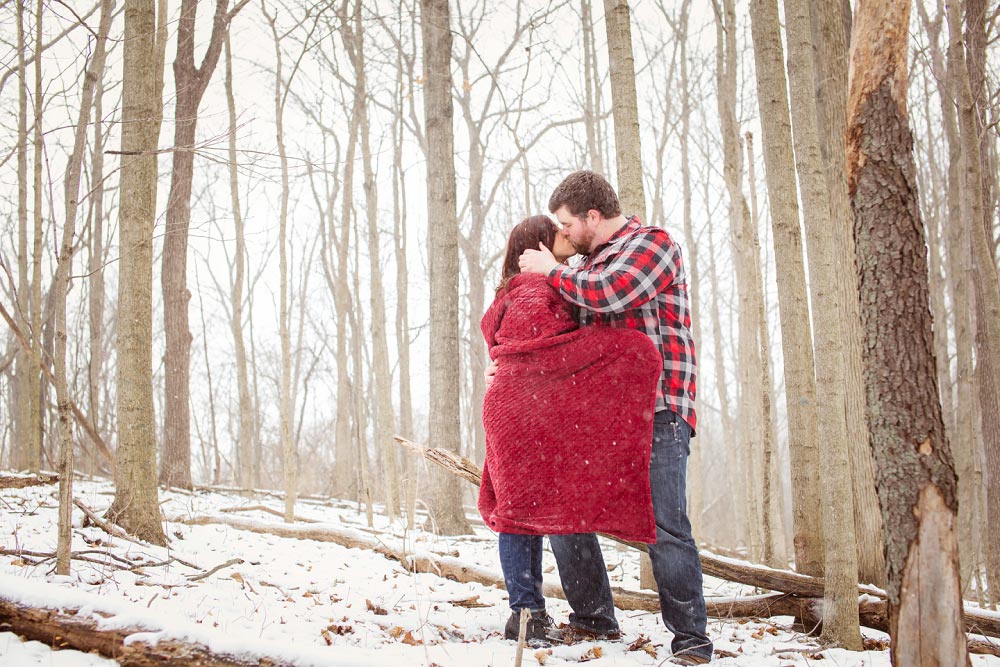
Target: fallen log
(793,584)
(23,481)
(729,569)
(83,627)
(872,610)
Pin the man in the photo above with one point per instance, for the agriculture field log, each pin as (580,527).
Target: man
(633,276)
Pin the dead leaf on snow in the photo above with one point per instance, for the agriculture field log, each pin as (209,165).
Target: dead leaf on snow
(593,653)
(543,655)
(395,632)
(409,639)
(470,603)
(375,609)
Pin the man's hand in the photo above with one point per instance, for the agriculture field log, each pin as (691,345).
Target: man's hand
(537,261)
(490,372)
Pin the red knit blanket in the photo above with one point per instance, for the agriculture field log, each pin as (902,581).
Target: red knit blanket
(568,419)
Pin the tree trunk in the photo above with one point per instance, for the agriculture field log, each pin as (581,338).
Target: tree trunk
(71,191)
(914,472)
(34,433)
(136,505)
(773,551)
(840,564)
(796,337)
(244,447)
(402,299)
(23,365)
(96,291)
(625,108)
(725,62)
(591,91)
(830,30)
(289,457)
(987,285)
(446,502)
(959,269)
(190,82)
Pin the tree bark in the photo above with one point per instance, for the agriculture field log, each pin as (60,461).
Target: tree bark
(446,502)
(830,29)
(625,108)
(914,472)
(800,386)
(136,505)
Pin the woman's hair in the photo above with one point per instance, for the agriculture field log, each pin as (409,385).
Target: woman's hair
(527,234)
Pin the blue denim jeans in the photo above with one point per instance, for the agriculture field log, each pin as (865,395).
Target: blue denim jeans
(676,566)
(521,561)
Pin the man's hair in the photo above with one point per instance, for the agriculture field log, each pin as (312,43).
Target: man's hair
(584,190)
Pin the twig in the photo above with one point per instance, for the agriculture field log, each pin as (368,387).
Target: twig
(110,529)
(199,577)
(521,636)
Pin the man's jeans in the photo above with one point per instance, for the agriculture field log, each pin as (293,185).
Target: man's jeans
(676,566)
(521,561)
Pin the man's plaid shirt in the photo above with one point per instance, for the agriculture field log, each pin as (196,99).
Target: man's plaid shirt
(637,280)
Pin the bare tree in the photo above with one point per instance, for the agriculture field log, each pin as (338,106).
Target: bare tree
(71,194)
(840,608)
(796,336)
(245,435)
(987,285)
(136,505)
(914,472)
(352,32)
(190,82)
(830,29)
(435,19)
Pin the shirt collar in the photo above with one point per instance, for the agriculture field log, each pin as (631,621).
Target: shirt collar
(630,226)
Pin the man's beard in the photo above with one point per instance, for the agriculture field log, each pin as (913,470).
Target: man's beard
(583,246)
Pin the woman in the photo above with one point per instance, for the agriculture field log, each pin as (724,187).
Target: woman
(568,422)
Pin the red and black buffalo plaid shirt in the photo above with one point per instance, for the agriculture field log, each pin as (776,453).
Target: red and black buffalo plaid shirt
(637,280)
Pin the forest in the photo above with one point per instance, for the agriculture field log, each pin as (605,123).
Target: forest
(245,251)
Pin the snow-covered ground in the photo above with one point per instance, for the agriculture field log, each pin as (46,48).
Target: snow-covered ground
(316,603)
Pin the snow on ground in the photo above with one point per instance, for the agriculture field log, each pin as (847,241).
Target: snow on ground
(323,604)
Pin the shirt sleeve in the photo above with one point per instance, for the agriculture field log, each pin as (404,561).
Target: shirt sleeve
(647,264)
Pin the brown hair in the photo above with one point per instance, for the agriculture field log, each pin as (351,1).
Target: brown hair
(584,190)
(526,234)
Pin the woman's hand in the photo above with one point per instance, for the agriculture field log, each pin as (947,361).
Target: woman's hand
(491,371)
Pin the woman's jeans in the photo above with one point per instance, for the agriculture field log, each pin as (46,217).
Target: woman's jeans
(676,566)
(521,561)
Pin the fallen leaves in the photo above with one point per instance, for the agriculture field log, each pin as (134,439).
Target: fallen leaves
(375,609)
(470,603)
(644,644)
(543,655)
(334,629)
(593,653)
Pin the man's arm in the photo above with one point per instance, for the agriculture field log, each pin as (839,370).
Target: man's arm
(649,263)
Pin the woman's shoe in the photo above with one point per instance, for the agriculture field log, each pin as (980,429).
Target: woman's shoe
(538,626)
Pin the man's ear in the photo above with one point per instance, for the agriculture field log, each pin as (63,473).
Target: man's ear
(594,216)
